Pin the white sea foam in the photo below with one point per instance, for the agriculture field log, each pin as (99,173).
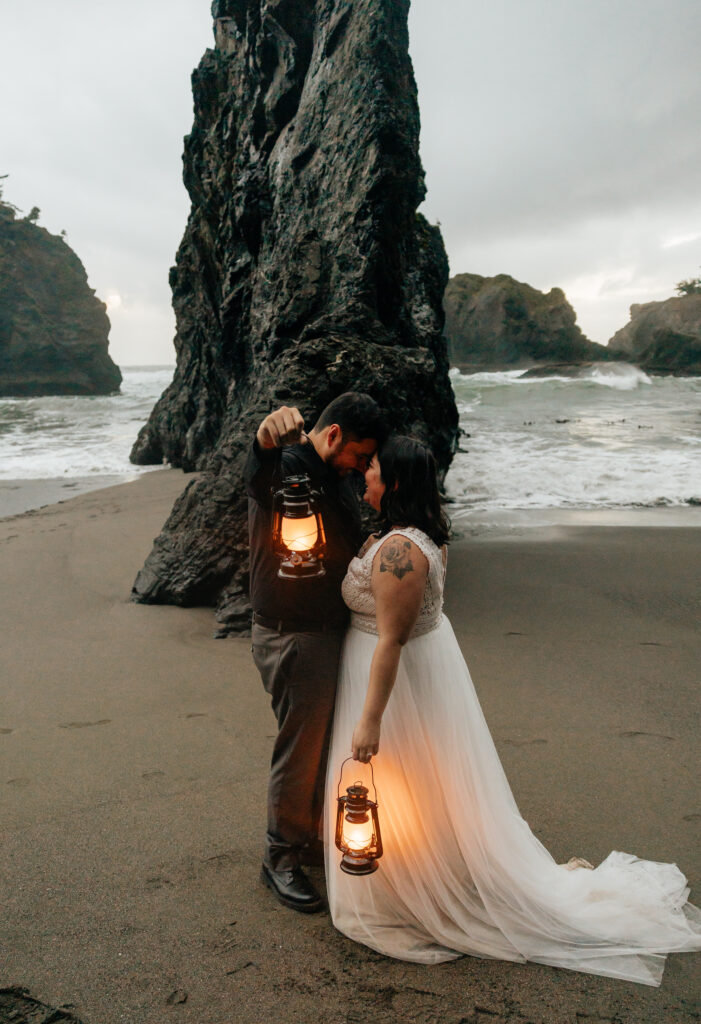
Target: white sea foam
(616,375)
(55,436)
(623,376)
(611,438)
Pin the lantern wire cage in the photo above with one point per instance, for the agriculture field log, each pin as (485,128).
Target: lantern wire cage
(361,850)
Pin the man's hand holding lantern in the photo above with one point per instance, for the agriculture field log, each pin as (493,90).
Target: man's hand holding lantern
(282,427)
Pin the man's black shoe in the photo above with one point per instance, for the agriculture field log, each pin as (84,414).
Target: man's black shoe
(293,889)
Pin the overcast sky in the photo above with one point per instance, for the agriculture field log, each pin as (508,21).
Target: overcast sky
(561,141)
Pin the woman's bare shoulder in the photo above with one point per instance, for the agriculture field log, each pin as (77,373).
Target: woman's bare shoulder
(399,555)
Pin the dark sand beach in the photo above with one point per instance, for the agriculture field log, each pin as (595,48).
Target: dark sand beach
(134,752)
(17,496)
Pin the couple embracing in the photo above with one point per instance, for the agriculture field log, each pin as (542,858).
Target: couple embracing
(362,662)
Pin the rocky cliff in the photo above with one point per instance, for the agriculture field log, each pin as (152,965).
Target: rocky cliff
(53,330)
(498,323)
(663,337)
(304,270)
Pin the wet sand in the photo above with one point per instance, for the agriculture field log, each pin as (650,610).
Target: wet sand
(17,496)
(134,752)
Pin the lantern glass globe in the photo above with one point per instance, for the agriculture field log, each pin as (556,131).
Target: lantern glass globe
(299,534)
(358,835)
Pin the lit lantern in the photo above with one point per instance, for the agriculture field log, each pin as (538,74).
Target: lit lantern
(358,828)
(298,530)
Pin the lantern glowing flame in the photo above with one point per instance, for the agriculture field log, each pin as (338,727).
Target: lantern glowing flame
(358,828)
(299,534)
(358,836)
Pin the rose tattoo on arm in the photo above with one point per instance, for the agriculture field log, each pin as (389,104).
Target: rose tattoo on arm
(396,558)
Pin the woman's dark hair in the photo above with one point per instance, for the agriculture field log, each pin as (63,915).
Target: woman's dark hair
(411,497)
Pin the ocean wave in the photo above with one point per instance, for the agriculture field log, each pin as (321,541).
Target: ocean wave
(622,376)
(615,439)
(82,436)
(485,377)
(599,448)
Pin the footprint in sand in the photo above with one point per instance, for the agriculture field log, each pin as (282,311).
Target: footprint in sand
(524,743)
(158,882)
(179,996)
(83,725)
(594,1018)
(236,970)
(640,732)
(219,859)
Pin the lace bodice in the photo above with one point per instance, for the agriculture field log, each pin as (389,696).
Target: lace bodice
(357,588)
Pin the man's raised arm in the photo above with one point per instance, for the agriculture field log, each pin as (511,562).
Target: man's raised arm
(282,427)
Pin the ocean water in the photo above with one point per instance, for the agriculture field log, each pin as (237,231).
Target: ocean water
(613,438)
(66,436)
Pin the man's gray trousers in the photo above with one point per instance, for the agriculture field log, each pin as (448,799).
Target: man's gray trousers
(299,671)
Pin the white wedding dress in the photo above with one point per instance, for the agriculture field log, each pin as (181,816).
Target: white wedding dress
(461,871)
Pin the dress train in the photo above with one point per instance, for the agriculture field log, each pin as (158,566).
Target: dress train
(462,872)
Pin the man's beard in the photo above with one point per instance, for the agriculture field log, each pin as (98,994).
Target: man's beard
(342,471)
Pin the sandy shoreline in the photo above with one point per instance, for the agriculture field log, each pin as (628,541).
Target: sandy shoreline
(27,495)
(134,751)
(18,496)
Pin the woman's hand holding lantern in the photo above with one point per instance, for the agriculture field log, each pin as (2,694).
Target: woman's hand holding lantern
(366,739)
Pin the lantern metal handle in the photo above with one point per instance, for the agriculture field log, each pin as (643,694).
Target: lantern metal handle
(340,779)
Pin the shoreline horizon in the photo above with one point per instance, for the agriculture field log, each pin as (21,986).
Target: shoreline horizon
(22,495)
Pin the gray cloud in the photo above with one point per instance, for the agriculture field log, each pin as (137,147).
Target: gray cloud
(560,142)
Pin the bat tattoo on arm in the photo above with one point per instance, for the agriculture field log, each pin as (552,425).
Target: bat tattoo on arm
(396,558)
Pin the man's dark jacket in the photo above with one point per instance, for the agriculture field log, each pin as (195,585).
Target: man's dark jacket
(311,601)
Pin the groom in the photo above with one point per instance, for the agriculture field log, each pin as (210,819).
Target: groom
(298,625)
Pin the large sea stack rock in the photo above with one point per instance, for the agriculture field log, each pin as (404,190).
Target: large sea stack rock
(53,330)
(498,323)
(304,271)
(663,337)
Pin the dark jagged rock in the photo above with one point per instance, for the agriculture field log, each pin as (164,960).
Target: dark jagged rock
(53,330)
(663,337)
(304,270)
(498,323)
(18,1007)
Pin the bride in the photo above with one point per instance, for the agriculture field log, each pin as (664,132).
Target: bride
(461,870)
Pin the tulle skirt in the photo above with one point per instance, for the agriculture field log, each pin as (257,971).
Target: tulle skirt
(461,871)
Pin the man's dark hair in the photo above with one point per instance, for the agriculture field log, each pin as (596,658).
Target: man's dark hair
(358,415)
(411,497)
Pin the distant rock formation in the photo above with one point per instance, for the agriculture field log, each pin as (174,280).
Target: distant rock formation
(498,323)
(53,330)
(663,337)
(304,271)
